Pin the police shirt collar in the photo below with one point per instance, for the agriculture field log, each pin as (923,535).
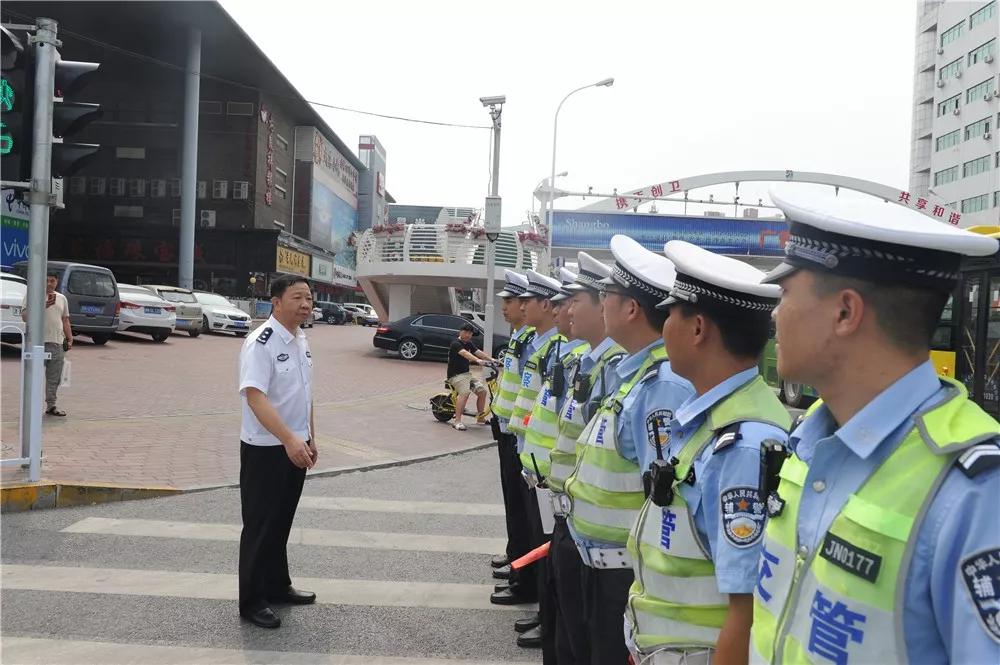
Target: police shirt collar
(873,424)
(699,404)
(283,332)
(542,337)
(631,363)
(602,348)
(569,345)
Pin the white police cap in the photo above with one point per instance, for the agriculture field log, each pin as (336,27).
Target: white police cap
(567,277)
(872,240)
(644,275)
(705,278)
(591,273)
(540,286)
(514,284)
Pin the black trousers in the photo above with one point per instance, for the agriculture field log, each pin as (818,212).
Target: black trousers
(512,485)
(523,516)
(566,588)
(605,592)
(270,486)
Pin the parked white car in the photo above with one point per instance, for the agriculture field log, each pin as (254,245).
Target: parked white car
(363,313)
(142,311)
(220,315)
(476,317)
(12,292)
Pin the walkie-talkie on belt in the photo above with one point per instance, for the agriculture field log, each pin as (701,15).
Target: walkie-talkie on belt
(773,454)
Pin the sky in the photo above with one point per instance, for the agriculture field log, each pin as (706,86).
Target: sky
(700,87)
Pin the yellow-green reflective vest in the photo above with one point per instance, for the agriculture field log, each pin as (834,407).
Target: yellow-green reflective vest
(571,418)
(674,601)
(510,380)
(531,385)
(606,488)
(844,599)
(543,426)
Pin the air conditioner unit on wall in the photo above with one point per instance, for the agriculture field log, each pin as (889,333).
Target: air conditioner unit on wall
(207,219)
(958,74)
(940,83)
(940,51)
(957,111)
(988,58)
(987,136)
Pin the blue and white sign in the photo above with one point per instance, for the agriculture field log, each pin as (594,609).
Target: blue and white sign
(741,237)
(14,232)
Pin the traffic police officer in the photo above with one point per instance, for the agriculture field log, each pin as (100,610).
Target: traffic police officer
(510,464)
(696,543)
(589,380)
(277,445)
(605,489)
(883,544)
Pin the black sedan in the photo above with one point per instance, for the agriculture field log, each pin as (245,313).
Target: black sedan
(333,313)
(428,335)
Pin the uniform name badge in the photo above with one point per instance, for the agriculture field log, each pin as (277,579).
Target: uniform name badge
(981,574)
(743,516)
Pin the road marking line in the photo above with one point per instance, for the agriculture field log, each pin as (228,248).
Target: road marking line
(376,540)
(40,651)
(215,586)
(362,504)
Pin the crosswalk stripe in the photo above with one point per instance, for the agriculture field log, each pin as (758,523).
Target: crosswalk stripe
(38,651)
(215,586)
(299,536)
(362,504)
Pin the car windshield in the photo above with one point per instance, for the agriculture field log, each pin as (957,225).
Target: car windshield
(214,299)
(178,296)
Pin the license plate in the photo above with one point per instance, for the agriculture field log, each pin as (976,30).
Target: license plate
(16,311)
(151,310)
(240,324)
(92,309)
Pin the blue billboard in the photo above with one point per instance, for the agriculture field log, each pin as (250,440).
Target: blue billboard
(722,235)
(13,229)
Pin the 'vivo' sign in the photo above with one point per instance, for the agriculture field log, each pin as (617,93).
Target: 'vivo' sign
(13,229)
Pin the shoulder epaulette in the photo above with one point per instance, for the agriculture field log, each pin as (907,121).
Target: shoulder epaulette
(653,371)
(265,335)
(727,436)
(979,458)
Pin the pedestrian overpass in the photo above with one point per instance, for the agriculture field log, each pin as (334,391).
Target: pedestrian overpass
(416,269)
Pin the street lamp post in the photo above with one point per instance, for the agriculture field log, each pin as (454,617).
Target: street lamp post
(541,182)
(605,83)
(492,222)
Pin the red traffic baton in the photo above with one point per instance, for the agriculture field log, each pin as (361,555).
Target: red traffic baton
(531,557)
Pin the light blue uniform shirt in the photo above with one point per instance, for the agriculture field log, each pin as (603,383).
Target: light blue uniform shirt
(598,391)
(520,368)
(718,478)
(941,621)
(664,391)
(564,350)
(536,343)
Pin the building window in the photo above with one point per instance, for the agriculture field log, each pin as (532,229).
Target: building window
(952,69)
(948,140)
(976,203)
(202,189)
(134,212)
(117,187)
(996,199)
(175,216)
(946,176)
(952,33)
(976,166)
(983,15)
(241,190)
(984,53)
(978,129)
(130,153)
(282,192)
(978,91)
(282,142)
(137,187)
(175,188)
(949,105)
(158,188)
(220,189)
(77,185)
(210,108)
(98,186)
(239,108)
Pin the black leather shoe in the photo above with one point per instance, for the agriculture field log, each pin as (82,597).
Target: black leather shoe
(527,623)
(501,587)
(264,617)
(531,639)
(508,598)
(499,561)
(293,596)
(502,573)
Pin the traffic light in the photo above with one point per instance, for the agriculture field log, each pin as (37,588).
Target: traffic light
(17,108)
(69,117)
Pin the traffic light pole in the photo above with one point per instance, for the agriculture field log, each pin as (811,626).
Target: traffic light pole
(39,196)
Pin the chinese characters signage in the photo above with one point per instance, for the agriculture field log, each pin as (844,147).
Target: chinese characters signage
(268,120)
(291,261)
(928,208)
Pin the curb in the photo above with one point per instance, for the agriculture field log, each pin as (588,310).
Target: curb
(20,497)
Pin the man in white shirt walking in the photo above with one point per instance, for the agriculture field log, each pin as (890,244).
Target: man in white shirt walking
(58,339)
(277,446)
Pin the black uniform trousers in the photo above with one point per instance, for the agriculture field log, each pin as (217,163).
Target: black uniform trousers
(270,486)
(605,593)
(566,588)
(512,485)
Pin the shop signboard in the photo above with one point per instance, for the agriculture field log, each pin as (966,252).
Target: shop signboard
(291,261)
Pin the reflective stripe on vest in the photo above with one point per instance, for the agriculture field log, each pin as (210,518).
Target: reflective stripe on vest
(543,426)
(510,380)
(531,385)
(606,488)
(842,601)
(675,575)
(572,424)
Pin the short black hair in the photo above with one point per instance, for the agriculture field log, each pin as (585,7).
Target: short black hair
(281,284)
(655,317)
(468,327)
(51,273)
(908,316)
(744,332)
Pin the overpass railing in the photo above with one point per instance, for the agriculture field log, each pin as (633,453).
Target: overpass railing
(435,243)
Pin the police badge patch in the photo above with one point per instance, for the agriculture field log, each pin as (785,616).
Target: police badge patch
(282,357)
(981,573)
(743,515)
(658,427)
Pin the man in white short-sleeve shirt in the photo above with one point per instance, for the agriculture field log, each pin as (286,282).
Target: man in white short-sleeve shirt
(277,446)
(58,339)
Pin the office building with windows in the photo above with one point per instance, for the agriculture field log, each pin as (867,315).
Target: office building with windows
(956,108)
